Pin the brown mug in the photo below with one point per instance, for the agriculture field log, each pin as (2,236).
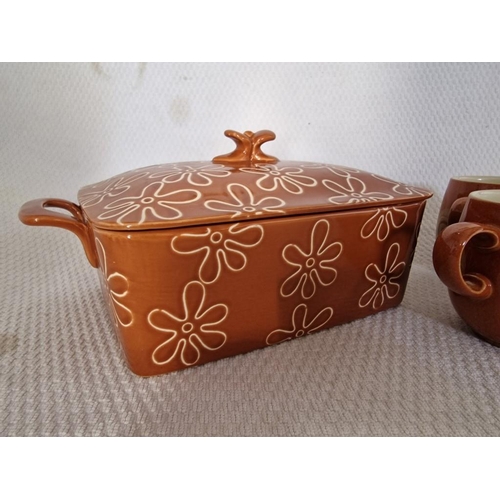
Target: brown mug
(467,260)
(456,195)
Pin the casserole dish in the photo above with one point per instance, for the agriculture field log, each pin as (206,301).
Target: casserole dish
(207,259)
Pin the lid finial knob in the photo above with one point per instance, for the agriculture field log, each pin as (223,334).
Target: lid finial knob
(247,148)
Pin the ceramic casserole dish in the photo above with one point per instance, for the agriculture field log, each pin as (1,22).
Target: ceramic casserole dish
(207,259)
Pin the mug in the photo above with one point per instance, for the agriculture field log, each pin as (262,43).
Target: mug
(466,258)
(456,195)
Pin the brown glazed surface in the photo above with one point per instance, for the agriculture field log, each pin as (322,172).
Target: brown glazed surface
(456,195)
(204,260)
(206,192)
(467,259)
(187,296)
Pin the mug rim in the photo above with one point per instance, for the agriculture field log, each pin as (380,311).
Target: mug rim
(486,195)
(478,179)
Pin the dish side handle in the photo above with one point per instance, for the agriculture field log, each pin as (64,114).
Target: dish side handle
(36,213)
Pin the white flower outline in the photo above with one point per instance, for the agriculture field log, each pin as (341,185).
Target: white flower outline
(381,221)
(110,283)
(338,170)
(354,192)
(150,201)
(312,264)
(300,325)
(109,188)
(196,175)
(246,203)
(402,188)
(289,178)
(222,247)
(188,329)
(384,285)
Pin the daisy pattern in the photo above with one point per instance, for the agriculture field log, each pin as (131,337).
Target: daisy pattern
(190,332)
(197,175)
(403,189)
(108,189)
(219,248)
(245,204)
(116,288)
(354,192)
(335,169)
(291,179)
(313,264)
(152,202)
(301,325)
(381,222)
(384,281)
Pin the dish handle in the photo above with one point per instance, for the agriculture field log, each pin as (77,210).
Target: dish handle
(36,213)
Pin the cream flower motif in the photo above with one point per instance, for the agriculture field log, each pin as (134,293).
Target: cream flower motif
(300,325)
(336,169)
(245,203)
(108,189)
(289,178)
(384,281)
(401,188)
(150,203)
(116,287)
(354,192)
(381,221)
(197,175)
(219,248)
(190,332)
(313,264)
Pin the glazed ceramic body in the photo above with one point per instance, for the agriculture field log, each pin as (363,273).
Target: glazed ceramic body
(467,259)
(456,195)
(203,260)
(183,297)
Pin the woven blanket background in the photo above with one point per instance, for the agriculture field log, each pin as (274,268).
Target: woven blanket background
(413,370)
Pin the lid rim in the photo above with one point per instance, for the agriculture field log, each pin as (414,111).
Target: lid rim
(198,222)
(187,194)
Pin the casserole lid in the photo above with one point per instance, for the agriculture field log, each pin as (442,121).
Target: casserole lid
(245,184)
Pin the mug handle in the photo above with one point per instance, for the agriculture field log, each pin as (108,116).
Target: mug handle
(456,210)
(448,253)
(35,213)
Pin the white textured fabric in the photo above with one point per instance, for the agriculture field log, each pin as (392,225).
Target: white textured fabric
(413,370)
